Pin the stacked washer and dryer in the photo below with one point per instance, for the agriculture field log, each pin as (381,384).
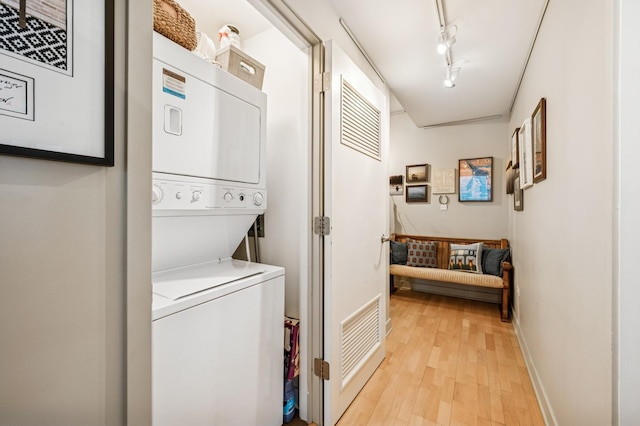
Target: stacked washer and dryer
(217,322)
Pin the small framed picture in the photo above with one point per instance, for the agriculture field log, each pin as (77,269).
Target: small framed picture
(539,143)
(396,185)
(417,194)
(417,173)
(526,155)
(515,151)
(518,203)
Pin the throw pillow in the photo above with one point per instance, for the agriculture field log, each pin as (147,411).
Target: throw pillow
(398,253)
(492,259)
(422,253)
(466,257)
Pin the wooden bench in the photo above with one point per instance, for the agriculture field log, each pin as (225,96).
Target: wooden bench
(443,274)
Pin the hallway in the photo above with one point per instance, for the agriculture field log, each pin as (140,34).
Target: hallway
(449,362)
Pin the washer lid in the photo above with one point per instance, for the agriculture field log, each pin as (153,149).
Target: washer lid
(183,282)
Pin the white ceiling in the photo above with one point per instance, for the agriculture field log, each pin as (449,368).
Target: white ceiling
(492,45)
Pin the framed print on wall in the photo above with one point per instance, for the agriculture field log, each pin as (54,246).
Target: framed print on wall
(526,155)
(539,141)
(518,203)
(417,194)
(417,173)
(476,179)
(396,185)
(57,80)
(515,151)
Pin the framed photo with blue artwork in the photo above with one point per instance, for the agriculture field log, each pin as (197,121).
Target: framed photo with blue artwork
(57,80)
(475,179)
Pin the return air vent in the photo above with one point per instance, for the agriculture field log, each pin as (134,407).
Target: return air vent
(360,337)
(360,122)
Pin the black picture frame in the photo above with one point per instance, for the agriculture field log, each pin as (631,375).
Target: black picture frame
(101,140)
(417,194)
(417,173)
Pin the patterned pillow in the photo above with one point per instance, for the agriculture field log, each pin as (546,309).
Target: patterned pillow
(422,253)
(466,258)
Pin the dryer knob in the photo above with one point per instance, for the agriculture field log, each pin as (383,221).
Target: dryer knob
(228,197)
(156,194)
(258,199)
(196,195)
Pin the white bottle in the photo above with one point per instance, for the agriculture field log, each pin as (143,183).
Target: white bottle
(229,35)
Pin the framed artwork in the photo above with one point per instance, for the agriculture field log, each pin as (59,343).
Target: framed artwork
(539,137)
(518,203)
(515,150)
(476,179)
(396,185)
(417,194)
(444,181)
(57,80)
(509,179)
(526,155)
(417,173)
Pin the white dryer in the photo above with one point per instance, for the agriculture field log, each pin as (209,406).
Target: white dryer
(217,330)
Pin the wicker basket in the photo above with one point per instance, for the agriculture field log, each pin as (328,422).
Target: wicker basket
(175,23)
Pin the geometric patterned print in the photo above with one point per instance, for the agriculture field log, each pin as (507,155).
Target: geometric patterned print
(422,254)
(39,41)
(466,257)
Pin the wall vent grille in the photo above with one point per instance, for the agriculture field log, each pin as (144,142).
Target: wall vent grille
(360,122)
(360,338)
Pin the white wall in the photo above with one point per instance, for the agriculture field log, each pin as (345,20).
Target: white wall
(441,148)
(62,280)
(627,316)
(287,83)
(563,239)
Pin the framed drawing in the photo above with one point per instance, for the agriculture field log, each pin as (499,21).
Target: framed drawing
(417,173)
(417,194)
(476,179)
(539,137)
(56,80)
(526,155)
(444,181)
(396,185)
(515,151)
(518,203)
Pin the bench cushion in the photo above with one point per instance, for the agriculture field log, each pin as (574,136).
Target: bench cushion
(446,275)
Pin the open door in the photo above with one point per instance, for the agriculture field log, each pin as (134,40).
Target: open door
(356,257)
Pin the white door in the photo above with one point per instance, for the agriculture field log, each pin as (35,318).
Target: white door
(356,260)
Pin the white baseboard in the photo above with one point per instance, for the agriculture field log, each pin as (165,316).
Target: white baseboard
(541,395)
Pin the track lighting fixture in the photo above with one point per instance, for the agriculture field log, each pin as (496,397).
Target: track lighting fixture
(447,38)
(451,76)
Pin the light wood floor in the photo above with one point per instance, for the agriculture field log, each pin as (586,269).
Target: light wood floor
(449,362)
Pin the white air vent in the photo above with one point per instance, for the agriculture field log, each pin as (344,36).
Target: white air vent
(360,337)
(360,122)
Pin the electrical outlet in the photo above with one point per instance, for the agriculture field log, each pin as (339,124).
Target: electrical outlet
(517,291)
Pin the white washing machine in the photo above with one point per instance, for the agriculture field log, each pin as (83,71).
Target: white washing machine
(217,330)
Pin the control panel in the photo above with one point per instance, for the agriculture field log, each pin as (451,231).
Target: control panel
(176,195)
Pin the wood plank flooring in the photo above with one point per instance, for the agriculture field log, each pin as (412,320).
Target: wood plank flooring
(449,362)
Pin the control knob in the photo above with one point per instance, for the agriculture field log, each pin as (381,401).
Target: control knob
(228,197)
(258,199)
(195,196)
(156,194)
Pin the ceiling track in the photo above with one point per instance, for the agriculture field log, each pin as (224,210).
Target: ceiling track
(526,62)
(361,49)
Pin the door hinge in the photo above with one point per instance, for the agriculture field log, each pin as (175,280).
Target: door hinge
(321,368)
(322,82)
(321,225)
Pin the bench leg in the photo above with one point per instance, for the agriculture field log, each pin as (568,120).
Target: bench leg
(504,307)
